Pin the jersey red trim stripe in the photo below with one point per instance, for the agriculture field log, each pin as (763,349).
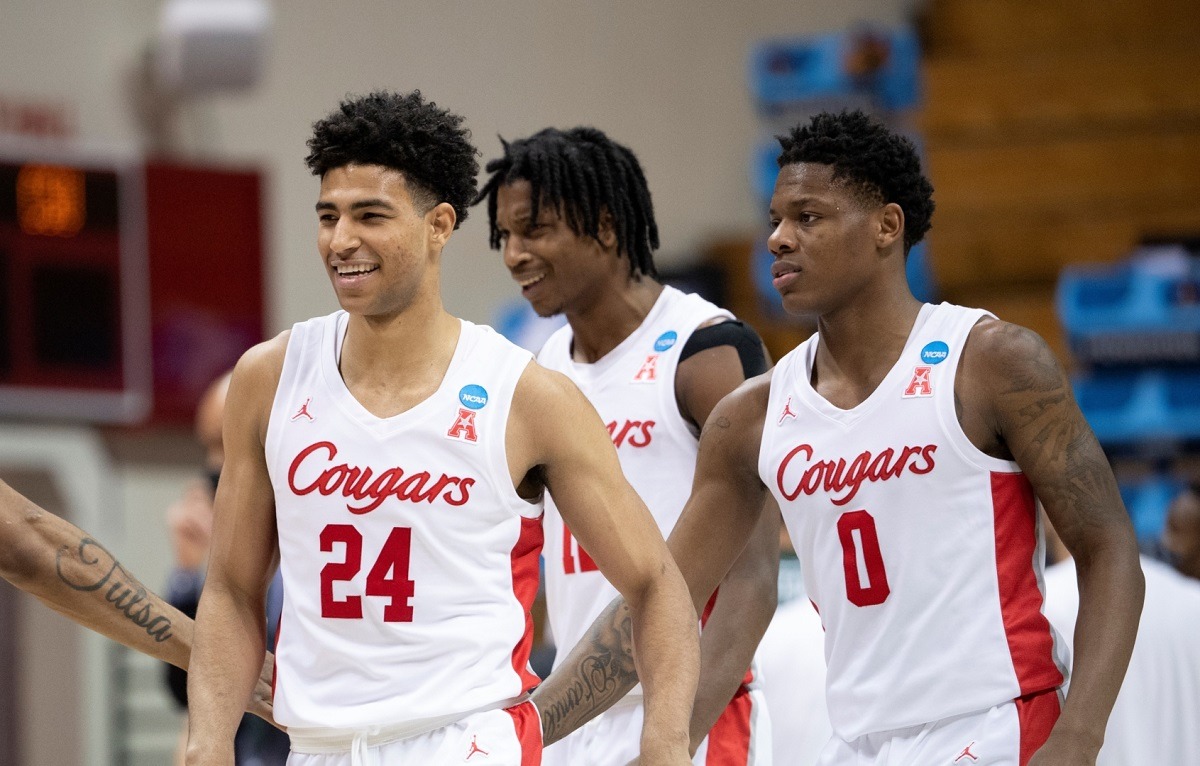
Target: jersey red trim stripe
(729,738)
(1030,642)
(1036,716)
(525,584)
(528,725)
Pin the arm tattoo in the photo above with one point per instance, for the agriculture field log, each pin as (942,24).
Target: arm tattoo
(90,567)
(1054,439)
(597,673)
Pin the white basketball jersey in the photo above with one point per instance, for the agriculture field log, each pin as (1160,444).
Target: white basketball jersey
(633,389)
(409,561)
(922,554)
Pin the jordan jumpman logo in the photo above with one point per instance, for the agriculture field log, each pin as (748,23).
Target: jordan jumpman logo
(475,748)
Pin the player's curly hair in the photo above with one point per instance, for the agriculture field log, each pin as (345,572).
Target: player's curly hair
(877,164)
(581,173)
(403,131)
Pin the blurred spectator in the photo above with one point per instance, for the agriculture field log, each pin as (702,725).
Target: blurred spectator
(189,520)
(1154,719)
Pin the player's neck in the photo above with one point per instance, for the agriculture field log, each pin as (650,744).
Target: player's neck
(613,316)
(402,342)
(862,340)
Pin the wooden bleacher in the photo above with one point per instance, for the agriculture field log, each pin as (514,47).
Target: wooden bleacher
(1056,133)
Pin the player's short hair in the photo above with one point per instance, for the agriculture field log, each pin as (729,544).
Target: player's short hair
(581,173)
(402,131)
(879,166)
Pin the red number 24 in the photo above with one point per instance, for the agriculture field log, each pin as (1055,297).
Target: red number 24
(387,578)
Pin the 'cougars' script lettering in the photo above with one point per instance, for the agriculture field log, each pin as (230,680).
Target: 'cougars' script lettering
(836,476)
(363,484)
(635,433)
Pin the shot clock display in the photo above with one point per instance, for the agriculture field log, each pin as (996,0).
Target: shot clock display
(74,330)
(126,285)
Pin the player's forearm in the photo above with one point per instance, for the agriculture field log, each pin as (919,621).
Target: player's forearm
(226,661)
(75,575)
(667,652)
(597,672)
(1111,591)
(727,644)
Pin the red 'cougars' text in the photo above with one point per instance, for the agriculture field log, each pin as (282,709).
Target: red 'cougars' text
(363,484)
(835,476)
(635,433)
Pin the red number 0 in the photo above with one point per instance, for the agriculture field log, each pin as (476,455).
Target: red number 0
(388,577)
(875,590)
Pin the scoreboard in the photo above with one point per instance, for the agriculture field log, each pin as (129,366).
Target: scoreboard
(74,320)
(126,284)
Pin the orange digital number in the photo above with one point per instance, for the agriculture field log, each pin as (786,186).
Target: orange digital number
(50,200)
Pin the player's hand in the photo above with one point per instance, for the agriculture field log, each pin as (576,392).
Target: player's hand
(1063,749)
(189,522)
(262,703)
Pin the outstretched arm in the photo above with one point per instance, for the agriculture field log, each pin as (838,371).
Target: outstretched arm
(74,574)
(554,431)
(231,622)
(1034,413)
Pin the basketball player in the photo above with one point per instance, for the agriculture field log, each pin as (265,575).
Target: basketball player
(572,212)
(400,455)
(72,573)
(906,444)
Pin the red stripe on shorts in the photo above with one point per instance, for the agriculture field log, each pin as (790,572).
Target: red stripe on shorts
(528,725)
(729,738)
(1036,715)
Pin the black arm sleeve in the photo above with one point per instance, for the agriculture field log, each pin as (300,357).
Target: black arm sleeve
(732,333)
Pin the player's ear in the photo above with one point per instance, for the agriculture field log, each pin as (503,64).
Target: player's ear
(441,219)
(891,225)
(607,230)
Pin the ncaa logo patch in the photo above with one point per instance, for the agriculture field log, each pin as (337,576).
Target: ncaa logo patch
(935,352)
(665,341)
(473,396)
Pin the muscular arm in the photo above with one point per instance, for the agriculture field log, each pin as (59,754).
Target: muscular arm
(746,597)
(231,623)
(72,573)
(554,430)
(1030,408)
(726,502)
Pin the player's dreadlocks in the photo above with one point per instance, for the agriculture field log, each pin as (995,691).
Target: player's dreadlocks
(582,174)
(404,132)
(879,165)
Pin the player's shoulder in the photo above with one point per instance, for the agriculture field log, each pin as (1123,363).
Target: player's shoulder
(540,387)
(265,356)
(998,348)
(746,405)
(260,367)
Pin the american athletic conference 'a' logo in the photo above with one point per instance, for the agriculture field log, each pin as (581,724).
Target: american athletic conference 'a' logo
(473,397)
(921,384)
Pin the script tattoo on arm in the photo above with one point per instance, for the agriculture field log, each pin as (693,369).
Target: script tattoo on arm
(89,568)
(597,673)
